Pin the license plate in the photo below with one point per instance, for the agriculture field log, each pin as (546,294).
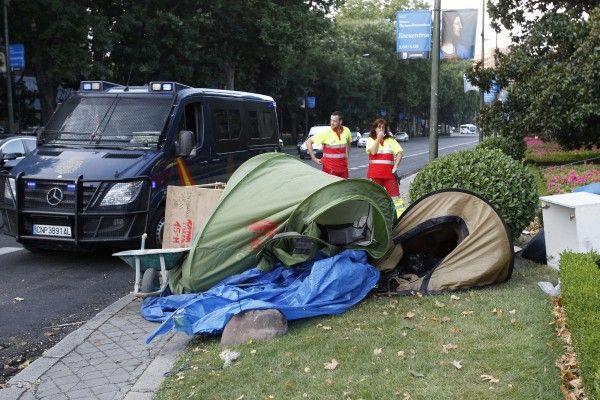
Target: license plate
(52,230)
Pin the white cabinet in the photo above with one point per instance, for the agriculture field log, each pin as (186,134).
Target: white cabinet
(571,222)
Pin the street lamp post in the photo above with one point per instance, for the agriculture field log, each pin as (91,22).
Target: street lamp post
(18,92)
(435,79)
(481,100)
(9,100)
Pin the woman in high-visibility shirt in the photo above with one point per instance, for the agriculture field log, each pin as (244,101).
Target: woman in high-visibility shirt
(385,154)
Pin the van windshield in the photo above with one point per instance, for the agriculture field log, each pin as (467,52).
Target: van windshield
(111,121)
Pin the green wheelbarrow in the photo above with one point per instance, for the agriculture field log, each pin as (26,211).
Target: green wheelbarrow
(150,261)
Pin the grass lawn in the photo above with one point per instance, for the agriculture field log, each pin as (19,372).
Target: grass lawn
(501,340)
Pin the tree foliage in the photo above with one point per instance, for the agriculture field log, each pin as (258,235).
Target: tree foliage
(552,72)
(343,53)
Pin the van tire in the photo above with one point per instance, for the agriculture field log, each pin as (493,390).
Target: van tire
(155,229)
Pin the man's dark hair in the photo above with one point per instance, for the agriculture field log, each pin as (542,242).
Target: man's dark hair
(338,114)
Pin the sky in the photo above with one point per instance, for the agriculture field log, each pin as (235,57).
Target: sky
(489,33)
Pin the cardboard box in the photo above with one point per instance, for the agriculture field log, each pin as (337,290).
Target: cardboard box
(186,211)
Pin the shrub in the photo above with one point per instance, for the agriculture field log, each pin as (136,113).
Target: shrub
(579,281)
(511,146)
(496,177)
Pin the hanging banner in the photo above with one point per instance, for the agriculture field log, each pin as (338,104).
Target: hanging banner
(458,34)
(413,34)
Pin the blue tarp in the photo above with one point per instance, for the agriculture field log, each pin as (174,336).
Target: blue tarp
(325,287)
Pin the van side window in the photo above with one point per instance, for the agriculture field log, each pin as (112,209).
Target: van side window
(192,121)
(265,125)
(252,125)
(227,124)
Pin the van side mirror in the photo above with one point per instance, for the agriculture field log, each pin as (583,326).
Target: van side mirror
(185,143)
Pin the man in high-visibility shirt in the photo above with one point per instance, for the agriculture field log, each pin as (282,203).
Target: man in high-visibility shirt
(385,154)
(336,146)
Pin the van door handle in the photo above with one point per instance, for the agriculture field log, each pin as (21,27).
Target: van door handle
(215,160)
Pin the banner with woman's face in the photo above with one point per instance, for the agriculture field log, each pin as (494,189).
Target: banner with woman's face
(458,34)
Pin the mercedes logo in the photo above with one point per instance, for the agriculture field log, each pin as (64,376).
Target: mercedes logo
(54,196)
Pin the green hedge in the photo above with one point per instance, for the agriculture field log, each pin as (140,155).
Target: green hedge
(580,287)
(496,177)
(560,158)
(513,147)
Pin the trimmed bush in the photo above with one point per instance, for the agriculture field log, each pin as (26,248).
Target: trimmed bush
(496,177)
(580,287)
(511,146)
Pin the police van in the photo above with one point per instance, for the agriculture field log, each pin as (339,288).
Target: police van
(104,160)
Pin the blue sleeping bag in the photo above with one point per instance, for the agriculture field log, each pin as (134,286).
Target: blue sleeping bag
(323,287)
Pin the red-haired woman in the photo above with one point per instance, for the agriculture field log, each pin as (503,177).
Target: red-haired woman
(385,154)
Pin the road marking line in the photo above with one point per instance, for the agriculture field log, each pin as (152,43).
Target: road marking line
(419,154)
(6,250)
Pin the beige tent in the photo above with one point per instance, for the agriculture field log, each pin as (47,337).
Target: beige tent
(447,240)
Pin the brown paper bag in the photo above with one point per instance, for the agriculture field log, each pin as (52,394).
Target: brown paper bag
(186,211)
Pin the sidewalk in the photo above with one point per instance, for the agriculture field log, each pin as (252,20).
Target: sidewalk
(107,357)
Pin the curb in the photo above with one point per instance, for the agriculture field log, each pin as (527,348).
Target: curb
(143,388)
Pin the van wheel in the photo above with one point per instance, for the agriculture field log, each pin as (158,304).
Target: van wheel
(156,228)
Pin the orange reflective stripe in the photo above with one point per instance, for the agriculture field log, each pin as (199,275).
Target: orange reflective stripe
(184,174)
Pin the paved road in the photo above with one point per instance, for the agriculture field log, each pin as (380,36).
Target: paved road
(416,154)
(45,296)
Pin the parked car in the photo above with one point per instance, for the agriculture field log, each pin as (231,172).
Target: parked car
(362,142)
(109,152)
(401,136)
(317,148)
(355,138)
(15,148)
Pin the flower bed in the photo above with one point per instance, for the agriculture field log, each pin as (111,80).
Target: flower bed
(565,178)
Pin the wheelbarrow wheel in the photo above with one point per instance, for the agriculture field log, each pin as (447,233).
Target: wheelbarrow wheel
(150,281)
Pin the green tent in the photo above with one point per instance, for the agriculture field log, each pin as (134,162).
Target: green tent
(275,207)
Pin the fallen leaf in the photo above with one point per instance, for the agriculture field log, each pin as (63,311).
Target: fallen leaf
(400,353)
(406,396)
(455,329)
(457,364)
(19,299)
(439,304)
(489,378)
(513,321)
(331,365)
(454,297)
(409,315)
(327,328)
(253,351)
(377,351)
(24,364)
(240,398)
(467,312)
(449,347)
(512,312)
(306,369)
(497,311)
(416,374)
(385,313)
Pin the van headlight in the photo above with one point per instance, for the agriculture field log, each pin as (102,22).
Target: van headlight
(122,193)
(10,190)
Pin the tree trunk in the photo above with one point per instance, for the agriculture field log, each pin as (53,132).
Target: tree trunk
(230,72)
(46,86)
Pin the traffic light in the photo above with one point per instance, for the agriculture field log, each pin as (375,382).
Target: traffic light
(2,63)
